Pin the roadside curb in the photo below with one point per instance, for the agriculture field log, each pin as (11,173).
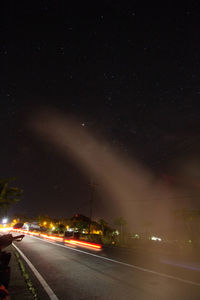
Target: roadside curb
(18,288)
(25,275)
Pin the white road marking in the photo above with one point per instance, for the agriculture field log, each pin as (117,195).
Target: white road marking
(42,281)
(124,264)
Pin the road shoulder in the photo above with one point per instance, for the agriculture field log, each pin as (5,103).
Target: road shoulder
(18,287)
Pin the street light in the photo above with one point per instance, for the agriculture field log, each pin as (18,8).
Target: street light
(5,220)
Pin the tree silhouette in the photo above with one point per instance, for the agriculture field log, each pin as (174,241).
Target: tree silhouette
(8,195)
(103,225)
(121,222)
(191,221)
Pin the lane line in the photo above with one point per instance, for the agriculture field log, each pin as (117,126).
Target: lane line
(42,281)
(181,264)
(124,264)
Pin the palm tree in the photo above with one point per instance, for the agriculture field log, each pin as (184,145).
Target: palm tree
(103,225)
(8,195)
(190,219)
(147,225)
(121,222)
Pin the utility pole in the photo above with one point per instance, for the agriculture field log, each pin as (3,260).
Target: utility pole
(92,186)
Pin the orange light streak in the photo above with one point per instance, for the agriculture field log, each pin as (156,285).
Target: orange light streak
(83,243)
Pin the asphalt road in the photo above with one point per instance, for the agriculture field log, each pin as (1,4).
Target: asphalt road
(77,273)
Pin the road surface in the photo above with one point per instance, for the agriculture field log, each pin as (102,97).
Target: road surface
(78,273)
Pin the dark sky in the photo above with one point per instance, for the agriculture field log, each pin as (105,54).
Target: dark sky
(130,74)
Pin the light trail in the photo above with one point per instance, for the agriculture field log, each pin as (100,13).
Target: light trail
(60,239)
(83,243)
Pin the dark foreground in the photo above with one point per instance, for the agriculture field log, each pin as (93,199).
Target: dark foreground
(77,275)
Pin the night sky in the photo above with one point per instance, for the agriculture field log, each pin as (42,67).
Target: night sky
(128,74)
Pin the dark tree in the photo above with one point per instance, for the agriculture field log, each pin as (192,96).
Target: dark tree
(9,195)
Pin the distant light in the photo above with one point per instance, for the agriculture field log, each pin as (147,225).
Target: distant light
(136,236)
(154,238)
(26,227)
(53,228)
(44,223)
(5,229)
(5,220)
(70,229)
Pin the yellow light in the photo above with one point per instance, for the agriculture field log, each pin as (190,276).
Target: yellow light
(96,231)
(44,223)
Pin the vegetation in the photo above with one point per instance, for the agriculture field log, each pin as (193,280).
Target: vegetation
(78,227)
(9,195)
(191,222)
(104,226)
(121,222)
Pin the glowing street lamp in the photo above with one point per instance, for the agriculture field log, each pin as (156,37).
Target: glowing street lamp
(5,221)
